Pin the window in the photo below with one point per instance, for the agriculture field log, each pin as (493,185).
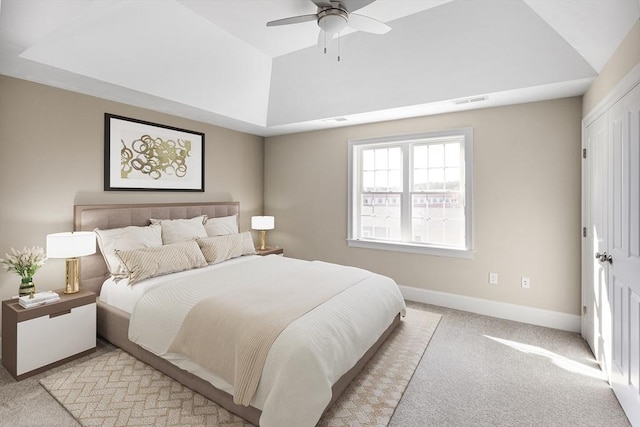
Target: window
(412,193)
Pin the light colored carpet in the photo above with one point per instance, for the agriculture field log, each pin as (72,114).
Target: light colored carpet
(116,389)
(464,379)
(480,371)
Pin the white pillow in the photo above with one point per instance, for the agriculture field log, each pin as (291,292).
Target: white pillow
(222,225)
(126,238)
(181,230)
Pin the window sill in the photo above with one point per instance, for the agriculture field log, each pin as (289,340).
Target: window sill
(405,247)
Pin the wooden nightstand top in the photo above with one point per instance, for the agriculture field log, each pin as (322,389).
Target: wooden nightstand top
(270,251)
(67,302)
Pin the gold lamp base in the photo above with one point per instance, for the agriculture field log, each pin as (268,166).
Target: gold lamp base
(73,285)
(263,245)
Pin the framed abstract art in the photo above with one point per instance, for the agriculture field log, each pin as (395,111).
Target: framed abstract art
(145,156)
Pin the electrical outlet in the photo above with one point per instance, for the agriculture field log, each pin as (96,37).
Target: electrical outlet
(493,278)
(525,282)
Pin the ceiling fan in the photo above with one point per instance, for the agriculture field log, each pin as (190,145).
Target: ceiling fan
(334,16)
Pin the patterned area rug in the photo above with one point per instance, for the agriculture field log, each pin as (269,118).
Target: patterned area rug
(118,390)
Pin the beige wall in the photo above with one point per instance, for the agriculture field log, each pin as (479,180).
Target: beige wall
(626,56)
(526,184)
(51,157)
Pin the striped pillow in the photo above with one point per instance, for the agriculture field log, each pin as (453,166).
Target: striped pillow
(144,263)
(221,248)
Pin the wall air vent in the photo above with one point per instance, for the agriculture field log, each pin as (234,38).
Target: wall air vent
(470,100)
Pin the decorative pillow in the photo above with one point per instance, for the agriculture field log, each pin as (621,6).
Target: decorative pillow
(221,248)
(221,225)
(248,248)
(126,238)
(143,263)
(181,230)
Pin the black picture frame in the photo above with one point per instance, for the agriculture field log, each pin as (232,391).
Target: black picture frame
(146,156)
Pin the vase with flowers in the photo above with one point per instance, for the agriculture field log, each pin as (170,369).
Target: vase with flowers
(25,263)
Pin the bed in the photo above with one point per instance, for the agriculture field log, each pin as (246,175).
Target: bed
(288,392)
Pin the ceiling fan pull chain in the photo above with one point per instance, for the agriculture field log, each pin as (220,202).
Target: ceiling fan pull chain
(325,42)
(338,47)
(324,31)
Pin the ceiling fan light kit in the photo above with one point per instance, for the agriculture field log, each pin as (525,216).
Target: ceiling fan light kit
(333,20)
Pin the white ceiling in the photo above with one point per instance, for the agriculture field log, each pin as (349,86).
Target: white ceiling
(217,62)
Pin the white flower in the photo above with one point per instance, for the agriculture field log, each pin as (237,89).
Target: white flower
(24,263)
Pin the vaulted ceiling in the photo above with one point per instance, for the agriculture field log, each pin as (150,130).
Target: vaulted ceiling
(217,62)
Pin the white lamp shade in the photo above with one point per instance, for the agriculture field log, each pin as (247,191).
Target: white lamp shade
(71,245)
(263,222)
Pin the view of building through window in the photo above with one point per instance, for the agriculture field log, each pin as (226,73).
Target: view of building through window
(412,191)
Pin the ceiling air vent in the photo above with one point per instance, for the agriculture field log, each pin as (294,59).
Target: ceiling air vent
(470,100)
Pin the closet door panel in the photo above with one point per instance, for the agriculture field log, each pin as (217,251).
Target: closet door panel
(623,261)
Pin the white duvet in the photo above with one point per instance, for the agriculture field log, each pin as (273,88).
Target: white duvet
(306,359)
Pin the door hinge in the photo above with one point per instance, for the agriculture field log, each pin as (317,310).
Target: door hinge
(584,153)
(584,231)
(584,310)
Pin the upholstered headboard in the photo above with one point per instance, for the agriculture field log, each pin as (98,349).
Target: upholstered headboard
(93,270)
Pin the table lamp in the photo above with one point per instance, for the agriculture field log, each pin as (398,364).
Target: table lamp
(71,246)
(262,223)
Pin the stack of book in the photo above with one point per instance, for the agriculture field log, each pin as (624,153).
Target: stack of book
(39,298)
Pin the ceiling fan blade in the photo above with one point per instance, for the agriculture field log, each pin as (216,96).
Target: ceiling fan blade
(292,20)
(367,24)
(353,5)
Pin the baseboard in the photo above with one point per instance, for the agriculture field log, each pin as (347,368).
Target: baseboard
(502,310)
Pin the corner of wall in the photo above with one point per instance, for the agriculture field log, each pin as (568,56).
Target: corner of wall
(621,63)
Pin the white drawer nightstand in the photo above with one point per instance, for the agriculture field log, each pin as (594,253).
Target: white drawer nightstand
(39,338)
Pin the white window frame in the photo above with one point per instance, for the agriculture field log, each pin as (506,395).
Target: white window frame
(406,245)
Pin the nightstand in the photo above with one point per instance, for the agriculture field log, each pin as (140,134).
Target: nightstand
(270,251)
(39,338)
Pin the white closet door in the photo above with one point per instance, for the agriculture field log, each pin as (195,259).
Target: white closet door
(623,259)
(597,323)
